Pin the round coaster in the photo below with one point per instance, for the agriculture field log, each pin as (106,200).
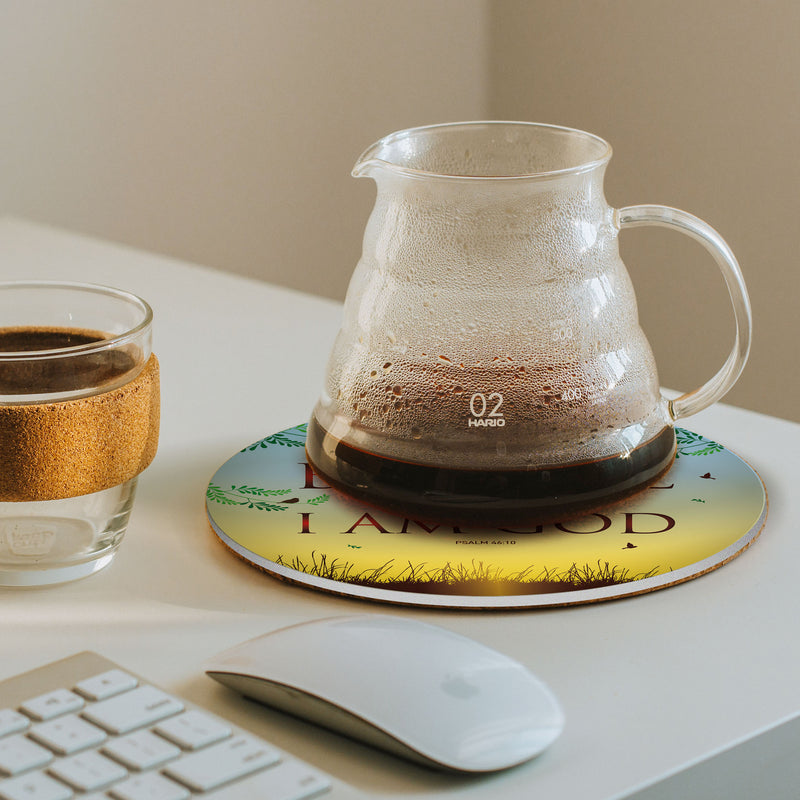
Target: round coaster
(269,508)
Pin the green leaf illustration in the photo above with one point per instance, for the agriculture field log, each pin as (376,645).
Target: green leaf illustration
(276,438)
(261,505)
(243,496)
(217,495)
(255,490)
(284,440)
(315,501)
(693,444)
(291,437)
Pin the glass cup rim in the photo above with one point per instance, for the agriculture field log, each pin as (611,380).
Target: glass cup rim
(116,340)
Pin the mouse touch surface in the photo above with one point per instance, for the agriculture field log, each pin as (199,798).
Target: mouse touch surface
(268,507)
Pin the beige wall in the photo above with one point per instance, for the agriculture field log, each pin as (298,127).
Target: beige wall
(701,101)
(224,133)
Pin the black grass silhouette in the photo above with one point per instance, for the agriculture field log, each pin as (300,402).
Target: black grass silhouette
(475,579)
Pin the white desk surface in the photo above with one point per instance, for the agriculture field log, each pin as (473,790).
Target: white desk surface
(650,684)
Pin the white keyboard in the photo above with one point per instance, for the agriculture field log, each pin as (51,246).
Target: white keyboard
(85,728)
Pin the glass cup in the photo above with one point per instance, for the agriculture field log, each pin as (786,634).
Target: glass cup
(79,416)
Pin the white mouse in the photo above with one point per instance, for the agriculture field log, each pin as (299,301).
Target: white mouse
(417,690)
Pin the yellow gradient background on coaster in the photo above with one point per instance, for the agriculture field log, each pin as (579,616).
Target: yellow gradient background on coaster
(266,500)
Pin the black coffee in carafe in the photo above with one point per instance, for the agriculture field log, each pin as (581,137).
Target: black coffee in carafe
(486,497)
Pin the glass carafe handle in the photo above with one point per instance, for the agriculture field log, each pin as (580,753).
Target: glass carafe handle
(714,389)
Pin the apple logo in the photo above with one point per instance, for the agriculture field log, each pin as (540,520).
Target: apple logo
(458,686)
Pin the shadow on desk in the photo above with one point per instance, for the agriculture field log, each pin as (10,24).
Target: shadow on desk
(170,553)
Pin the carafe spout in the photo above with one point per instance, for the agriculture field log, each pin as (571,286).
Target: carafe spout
(368,167)
(371,161)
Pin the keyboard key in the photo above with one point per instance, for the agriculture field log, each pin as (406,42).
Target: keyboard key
(223,762)
(19,754)
(141,750)
(53,704)
(193,730)
(34,786)
(67,735)
(289,780)
(88,772)
(150,786)
(106,684)
(12,721)
(134,709)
